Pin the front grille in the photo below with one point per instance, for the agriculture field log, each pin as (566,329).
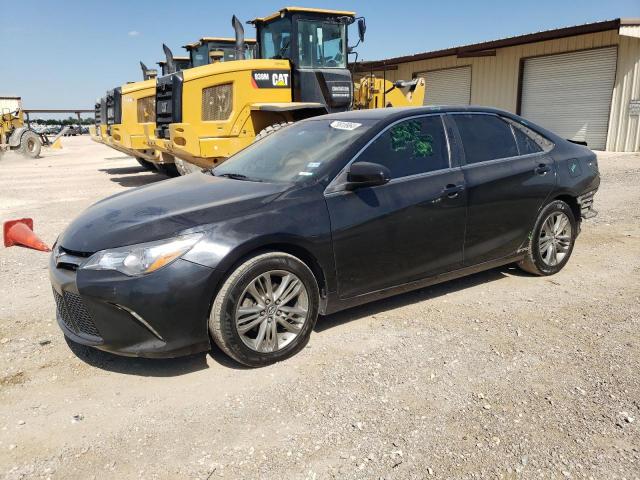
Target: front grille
(147,109)
(114,106)
(217,102)
(168,103)
(97,113)
(74,314)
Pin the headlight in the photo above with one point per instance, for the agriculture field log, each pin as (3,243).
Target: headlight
(142,258)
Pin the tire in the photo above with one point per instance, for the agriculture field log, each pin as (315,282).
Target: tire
(185,168)
(223,321)
(30,144)
(146,164)
(540,260)
(168,169)
(271,129)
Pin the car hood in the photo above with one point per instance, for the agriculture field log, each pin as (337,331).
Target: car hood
(163,209)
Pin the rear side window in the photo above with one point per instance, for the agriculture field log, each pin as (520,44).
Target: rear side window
(485,137)
(411,147)
(526,144)
(528,140)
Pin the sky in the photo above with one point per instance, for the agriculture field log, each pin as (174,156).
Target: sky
(66,54)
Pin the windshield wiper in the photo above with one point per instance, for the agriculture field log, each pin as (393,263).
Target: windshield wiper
(237,176)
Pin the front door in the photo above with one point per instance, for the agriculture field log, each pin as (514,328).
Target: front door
(408,229)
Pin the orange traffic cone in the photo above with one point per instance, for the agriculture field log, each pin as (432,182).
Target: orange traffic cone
(20,232)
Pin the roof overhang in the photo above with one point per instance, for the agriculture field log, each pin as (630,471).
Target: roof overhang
(282,12)
(625,26)
(204,40)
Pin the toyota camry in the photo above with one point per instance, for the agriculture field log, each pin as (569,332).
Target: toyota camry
(328,213)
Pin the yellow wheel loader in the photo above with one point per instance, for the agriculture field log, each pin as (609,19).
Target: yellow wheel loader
(202,52)
(372,92)
(16,136)
(208,113)
(98,130)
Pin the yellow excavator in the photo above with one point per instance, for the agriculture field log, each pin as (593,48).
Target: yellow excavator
(206,114)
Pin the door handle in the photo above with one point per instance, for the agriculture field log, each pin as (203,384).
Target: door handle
(452,191)
(543,169)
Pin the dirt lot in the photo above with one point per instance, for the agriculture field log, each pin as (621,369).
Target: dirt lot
(498,375)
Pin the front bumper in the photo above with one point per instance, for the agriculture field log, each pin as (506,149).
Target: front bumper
(163,314)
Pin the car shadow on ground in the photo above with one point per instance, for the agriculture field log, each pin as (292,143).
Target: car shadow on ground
(149,367)
(415,296)
(130,176)
(144,367)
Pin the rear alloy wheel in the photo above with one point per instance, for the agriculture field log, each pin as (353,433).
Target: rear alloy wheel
(30,144)
(552,240)
(265,310)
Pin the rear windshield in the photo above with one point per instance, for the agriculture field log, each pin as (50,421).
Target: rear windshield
(298,153)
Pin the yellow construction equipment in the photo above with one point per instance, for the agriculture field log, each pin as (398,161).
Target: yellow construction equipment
(205,51)
(207,113)
(129,111)
(372,92)
(16,136)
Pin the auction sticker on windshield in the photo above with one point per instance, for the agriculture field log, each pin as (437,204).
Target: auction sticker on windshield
(338,125)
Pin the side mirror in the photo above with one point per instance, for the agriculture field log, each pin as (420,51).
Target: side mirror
(365,174)
(362,28)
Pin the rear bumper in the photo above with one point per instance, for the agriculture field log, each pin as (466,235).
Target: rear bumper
(163,314)
(585,201)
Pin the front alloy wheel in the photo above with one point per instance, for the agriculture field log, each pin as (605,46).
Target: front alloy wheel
(272,311)
(265,310)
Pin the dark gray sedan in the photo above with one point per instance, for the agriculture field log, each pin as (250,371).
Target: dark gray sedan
(328,213)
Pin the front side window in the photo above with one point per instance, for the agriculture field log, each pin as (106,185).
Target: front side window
(298,153)
(485,137)
(321,44)
(275,39)
(410,147)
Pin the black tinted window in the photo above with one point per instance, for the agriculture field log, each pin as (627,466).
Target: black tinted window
(526,144)
(485,137)
(410,147)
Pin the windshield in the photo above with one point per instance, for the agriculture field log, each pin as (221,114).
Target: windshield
(298,153)
(200,55)
(275,39)
(321,44)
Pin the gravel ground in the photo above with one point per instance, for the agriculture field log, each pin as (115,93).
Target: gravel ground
(497,375)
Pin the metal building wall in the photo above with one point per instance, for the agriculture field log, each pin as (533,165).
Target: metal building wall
(495,80)
(624,130)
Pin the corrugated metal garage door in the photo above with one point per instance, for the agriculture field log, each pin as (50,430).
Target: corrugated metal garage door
(448,87)
(570,93)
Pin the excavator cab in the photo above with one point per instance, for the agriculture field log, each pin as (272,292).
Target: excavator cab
(315,41)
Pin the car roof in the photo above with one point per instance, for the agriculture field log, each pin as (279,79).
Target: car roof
(400,112)
(386,116)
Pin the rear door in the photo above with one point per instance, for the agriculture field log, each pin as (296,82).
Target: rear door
(508,175)
(410,228)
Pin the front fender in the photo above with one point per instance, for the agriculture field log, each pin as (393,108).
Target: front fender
(297,221)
